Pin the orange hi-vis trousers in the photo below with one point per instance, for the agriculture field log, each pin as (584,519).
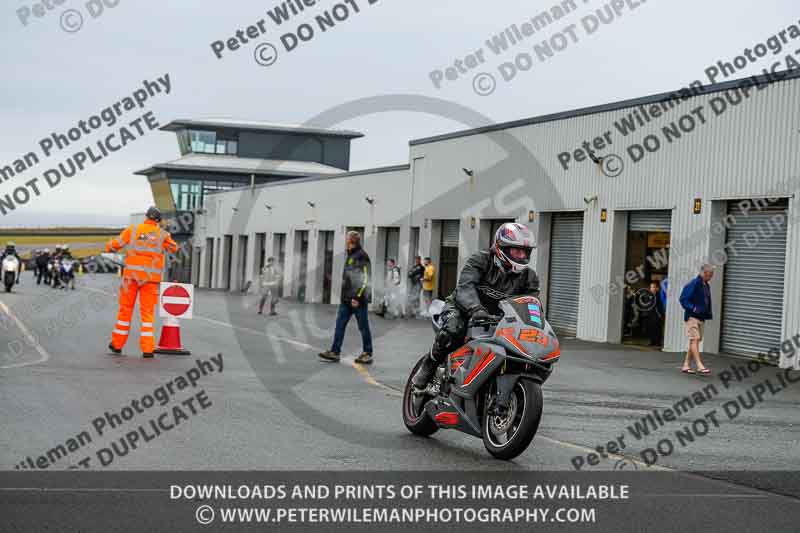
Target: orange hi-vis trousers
(148,299)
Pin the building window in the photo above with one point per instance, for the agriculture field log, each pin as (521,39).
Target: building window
(186,194)
(183,142)
(203,142)
(206,142)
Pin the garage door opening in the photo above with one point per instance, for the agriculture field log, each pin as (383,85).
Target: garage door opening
(326,243)
(566,246)
(448,258)
(752,294)
(279,255)
(301,253)
(646,274)
(227,261)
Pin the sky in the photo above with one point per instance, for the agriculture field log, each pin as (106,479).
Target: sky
(57,72)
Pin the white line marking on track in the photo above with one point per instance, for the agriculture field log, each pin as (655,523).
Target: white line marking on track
(43,355)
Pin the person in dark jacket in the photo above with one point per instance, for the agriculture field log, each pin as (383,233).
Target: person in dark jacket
(696,302)
(42,260)
(354,301)
(487,278)
(654,316)
(415,286)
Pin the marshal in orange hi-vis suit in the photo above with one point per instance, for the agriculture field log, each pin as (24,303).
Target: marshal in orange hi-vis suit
(144,246)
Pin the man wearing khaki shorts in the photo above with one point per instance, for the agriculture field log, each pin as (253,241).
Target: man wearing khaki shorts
(696,302)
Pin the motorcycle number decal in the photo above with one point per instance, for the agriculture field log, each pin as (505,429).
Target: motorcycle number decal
(533,335)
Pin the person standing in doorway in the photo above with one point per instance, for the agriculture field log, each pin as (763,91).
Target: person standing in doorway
(428,283)
(654,316)
(415,287)
(696,302)
(355,299)
(269,281)
(391,305)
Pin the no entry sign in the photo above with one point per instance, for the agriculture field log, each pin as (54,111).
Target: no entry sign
(175,300)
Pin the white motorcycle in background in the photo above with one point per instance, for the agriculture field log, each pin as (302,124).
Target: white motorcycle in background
(68,273)
(10,272)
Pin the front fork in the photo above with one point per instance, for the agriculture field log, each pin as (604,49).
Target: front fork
(504,386)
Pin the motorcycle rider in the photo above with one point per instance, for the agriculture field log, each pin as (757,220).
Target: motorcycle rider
(11,250)
(488,277)
(55,270)
(42,260)
(66,278)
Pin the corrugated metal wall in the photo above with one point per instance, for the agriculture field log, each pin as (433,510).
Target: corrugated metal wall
(748,151)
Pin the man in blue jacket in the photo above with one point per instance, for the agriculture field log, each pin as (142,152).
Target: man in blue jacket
(696,302)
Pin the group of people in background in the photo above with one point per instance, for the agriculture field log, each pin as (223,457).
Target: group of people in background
(56,269)
(419,290)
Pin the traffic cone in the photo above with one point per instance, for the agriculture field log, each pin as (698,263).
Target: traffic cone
(170,340)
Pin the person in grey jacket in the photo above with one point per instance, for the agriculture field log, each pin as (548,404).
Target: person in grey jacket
(268,286)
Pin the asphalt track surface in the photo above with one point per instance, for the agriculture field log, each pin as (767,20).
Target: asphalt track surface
(275,407)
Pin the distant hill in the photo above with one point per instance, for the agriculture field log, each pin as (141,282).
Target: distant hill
(58,231)
(46,220)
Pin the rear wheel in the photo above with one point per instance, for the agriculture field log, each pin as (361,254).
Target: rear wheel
(415,417)
(505,437)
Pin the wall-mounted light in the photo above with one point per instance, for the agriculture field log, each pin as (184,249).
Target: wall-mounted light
(589,199)
(472,222)
(471,174)
(311,204)
(698,206)
(269,207)
(235,209)
(425,224)
(370,200)
(603,215)
(531,216)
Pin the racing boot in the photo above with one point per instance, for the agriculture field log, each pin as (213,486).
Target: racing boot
(425,372)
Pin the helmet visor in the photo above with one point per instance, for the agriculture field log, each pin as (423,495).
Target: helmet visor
(518,254)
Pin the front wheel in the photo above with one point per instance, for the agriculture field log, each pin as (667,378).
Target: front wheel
(505,437)
(415,417)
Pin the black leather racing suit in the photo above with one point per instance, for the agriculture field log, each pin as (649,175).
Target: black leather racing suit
(481,285)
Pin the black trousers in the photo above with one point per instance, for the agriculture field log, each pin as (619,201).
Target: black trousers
(654,327)
(451,335)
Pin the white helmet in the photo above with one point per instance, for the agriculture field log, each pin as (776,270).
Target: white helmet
(512,235)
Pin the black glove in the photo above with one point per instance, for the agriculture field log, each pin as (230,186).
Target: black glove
(479,314)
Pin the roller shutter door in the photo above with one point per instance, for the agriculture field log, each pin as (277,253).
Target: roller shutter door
(656,221)
(450,233)
(752,295)
(565,271)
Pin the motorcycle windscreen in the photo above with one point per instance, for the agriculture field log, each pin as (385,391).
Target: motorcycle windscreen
(529,310)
